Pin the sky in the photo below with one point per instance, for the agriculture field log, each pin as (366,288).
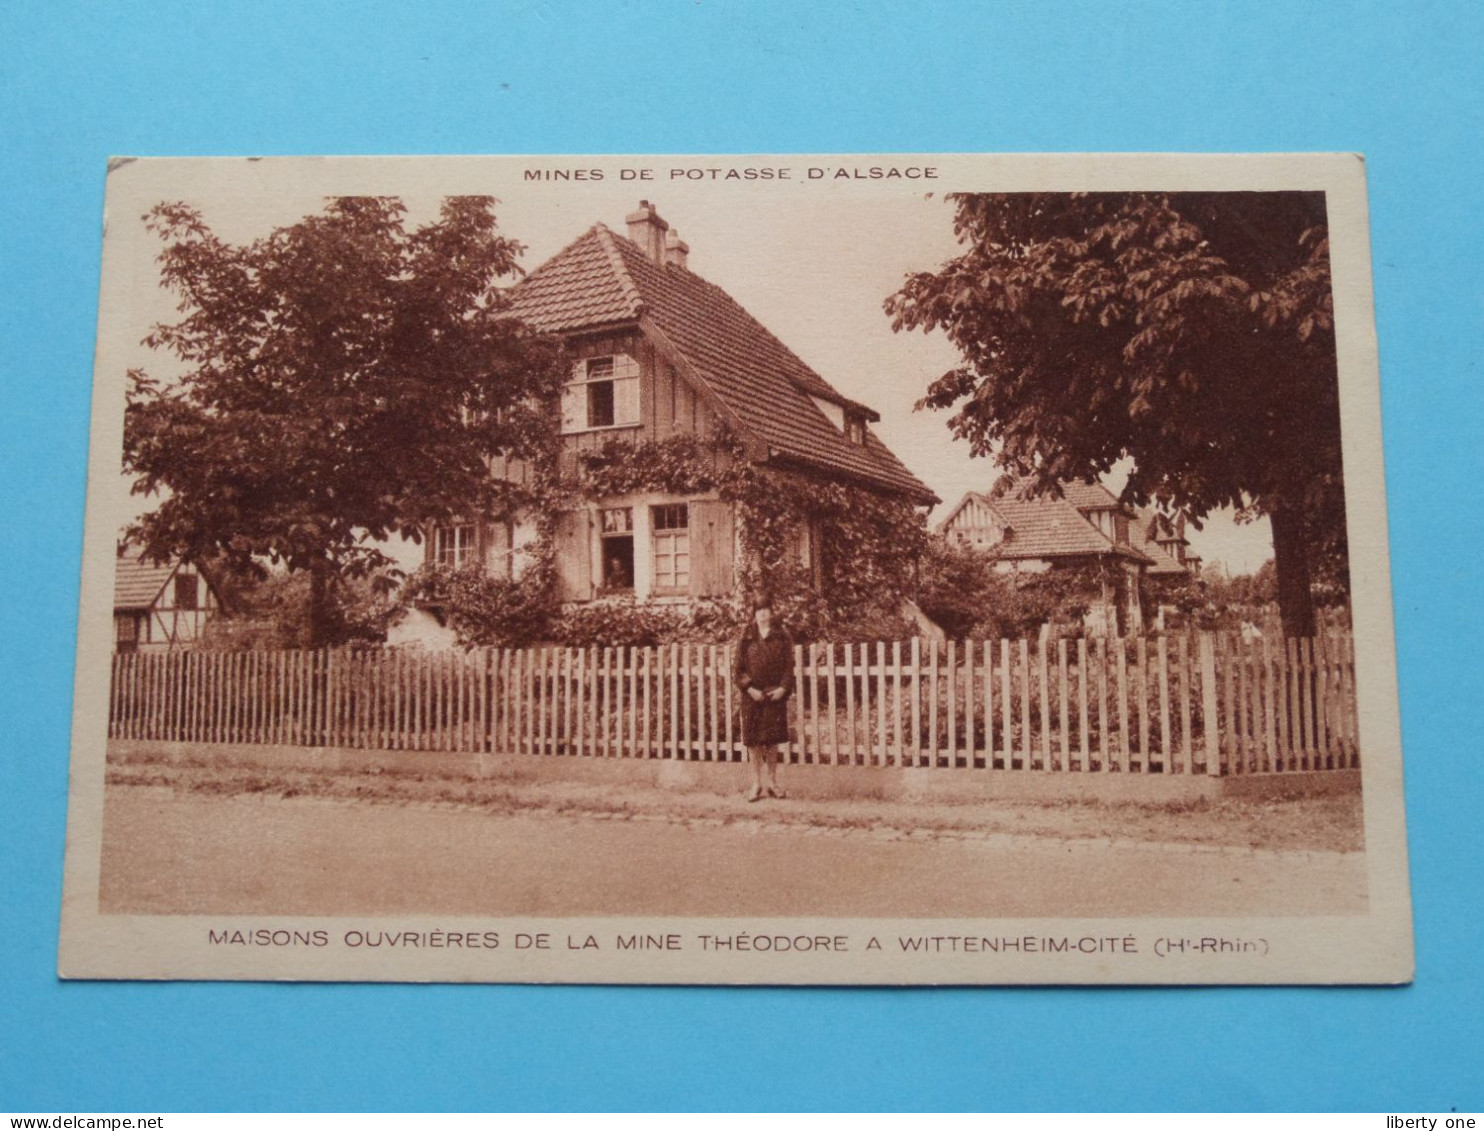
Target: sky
(813,261)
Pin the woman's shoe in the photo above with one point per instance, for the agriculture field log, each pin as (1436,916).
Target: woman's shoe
(755,794)
(777,791)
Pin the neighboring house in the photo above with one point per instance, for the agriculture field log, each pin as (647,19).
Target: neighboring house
(658,352)
(1162,536)
(159,608)
(1085,527)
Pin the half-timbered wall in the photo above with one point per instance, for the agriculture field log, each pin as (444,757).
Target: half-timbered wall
(177,619)
(975,525)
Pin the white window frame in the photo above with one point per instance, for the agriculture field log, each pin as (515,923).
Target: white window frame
(617,369)
(624,515)
(454,545)
(669,546)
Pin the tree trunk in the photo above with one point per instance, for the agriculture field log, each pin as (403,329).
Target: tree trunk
(1291,560)
(319,603)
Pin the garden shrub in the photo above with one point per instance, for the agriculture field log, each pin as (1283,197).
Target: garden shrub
(485,610)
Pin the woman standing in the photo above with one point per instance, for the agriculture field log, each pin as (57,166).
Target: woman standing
(764,671)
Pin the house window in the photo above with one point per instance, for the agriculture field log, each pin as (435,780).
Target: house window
(185,590)
(453,545)
(671,527)
(603,393)
(855,430)
(600,404)
(616,531)
(129,631)
(811,538)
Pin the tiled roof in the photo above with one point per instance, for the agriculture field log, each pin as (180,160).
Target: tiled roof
(1164,565)
(602,279)
(136,583)
(1045,526)
(1088,496)
(1144,534)
(580,287)
(1051,528)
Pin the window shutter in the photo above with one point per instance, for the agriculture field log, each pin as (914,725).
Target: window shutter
(626,401)
(712,540)
(574,556)
(574,408)
(494,550)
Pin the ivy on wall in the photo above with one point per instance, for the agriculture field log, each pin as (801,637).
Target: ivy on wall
(869,545)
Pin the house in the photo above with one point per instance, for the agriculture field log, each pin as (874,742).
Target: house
(159,607)
(660,354)
(1084,527)
(1166,534)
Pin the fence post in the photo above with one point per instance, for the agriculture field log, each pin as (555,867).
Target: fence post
(829,651)
(1210,725)
(933,702)
(1043,669)
(1063,717)
(881,756)
(987,705)
(1121,670)
(1162,654)
(907,754)
(1084,746)
(951,706)
(1322,708)
(1141,687)
(1007,706)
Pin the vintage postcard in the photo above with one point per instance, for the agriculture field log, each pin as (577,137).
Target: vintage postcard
(926,569)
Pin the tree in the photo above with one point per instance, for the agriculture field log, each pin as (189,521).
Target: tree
(344,379)
(964,590)
(1192,332)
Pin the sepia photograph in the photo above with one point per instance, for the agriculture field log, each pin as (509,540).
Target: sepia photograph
(697,569)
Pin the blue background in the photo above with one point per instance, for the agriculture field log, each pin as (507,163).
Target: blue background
(1399,82)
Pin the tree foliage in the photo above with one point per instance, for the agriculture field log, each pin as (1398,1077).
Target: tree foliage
(272,612)
(486,610)
(963,590)
(1193,332)
(341,380)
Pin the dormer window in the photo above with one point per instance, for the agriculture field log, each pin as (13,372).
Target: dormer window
(855,429)
(603,393)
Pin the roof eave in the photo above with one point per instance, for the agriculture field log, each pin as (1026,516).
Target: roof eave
(923,497)
(589,329)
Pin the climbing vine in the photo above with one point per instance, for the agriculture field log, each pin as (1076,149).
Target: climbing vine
(868,546)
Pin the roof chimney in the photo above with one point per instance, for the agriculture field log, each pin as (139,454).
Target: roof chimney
(648,231)
(676,249)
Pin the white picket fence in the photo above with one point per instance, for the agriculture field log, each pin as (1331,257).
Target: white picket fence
(1191,704)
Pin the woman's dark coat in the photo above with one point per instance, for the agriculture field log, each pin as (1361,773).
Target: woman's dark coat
(764,664)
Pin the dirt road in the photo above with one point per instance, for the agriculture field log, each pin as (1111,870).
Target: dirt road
(170,852)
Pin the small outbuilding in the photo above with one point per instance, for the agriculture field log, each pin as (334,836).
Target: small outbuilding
(160,607)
